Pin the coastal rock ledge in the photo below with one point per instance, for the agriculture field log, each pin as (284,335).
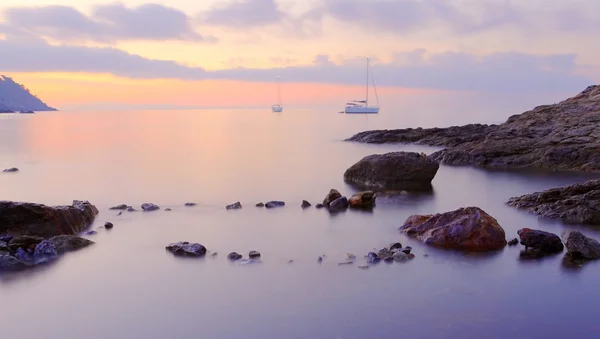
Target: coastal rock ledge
(579,203)
(562,136)
(468,228)
(21,218)
(394,170)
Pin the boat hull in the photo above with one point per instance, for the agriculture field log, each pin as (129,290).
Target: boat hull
(361,110)
(277,109)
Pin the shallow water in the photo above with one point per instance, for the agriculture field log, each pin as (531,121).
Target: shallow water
(127,286)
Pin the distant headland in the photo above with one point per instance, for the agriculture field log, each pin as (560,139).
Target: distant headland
(15,97)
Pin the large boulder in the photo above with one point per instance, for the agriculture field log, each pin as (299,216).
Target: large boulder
(562,136)
(578,203)
(20,218)
(395,170)
(541,241)
(468,228)
(580,246)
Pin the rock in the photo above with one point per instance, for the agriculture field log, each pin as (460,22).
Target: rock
(400,256)
(339,204)
(363,267)
(131,209)
(362,200)
(260,204)
(543,241)
(513,242)
(44,251)
(562,136)
(579,203)
(11,170)
(305,204)
(25,242)
(10,263)
(254,254)
(384,253)
(120,213)
(6,238)
(234,206)
(580,246)
(234,256)
(69,243)
(148,207)
(331,196)
(121,207)
(91,232)
(406,250)
(168,209)
(320,259)
(319,206)
(389,259)
(373,258)
(346,263)
(410,256)
(108,225)
(468,228)
(190,204)
(395,170)
(395,246)
(273,204)
(187,249)
(19,218)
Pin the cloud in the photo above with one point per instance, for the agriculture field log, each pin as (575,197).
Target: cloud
(510,71)
(106,23)
(244,14)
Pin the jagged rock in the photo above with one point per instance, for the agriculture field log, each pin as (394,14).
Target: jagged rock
(362,200)
(25,242)
(562,136)
(578,203)
(394,170)
(580,246)
(331,196)
(234,206)
(234,256)
(187,249)
(305,204)
(468,228)
(108,225)
(148,207)
(540,240)
(274,204)
(19,218)
(11,170)
(69,243)
(10,263)
(45,250)
(254,254)
(121,207)
(339,204)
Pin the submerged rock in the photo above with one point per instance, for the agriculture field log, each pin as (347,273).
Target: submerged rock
(331,196)
(121,207)
(394,170)
(190,204)
(11,263)
(274,204)
(234,206)
(187,249)
(260,204)
(578,203)
(254,254)
(69,243)
(20,218)
(108,225)
(362,200)
(234,256)
(149,207)
(513,242)
(319,206)
(540,240)
(44,251)
(339,204)
(400,256)
(11,170)
(580,246)
(468,228)
(305,204)
(131,209)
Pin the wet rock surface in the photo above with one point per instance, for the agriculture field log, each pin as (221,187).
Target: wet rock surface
(578,203)
(234,256)
(234,206)
(274,204)
(394,170)
(469,228)
(364,200)
(11,170)
(542,241)
(20,218)
(339,204)
(149,207)
(121,207)
(562,136)
(254,255)
(580,246)
(331,196)
(305,204)
(186,249)
(69,243)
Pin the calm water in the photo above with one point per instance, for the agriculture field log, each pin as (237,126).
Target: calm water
(127,286)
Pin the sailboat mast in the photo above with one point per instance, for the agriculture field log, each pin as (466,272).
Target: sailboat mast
(278,92)
(367,96)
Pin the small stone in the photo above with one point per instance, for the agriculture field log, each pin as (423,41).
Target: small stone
(187,249)
(411,256)
(407,249)
(351,256)
(214,254)
(234,206)
(91,232)
(120,213)
(254,254)
(513,242)
(131,209)
(11,170)
(319,206)
(331,196)
(168,209)
(346,263)
(400,256)
(388,260)
(363,267)
(148,207)
(320,259)
(339,204)
(119,207)
(273,204)
(580,246)
(260,204)
(108,225)
(290,261)
(384,252)
(373,258)
(395,246)
(425,255)
(305,204)
(190,204)
(234,256)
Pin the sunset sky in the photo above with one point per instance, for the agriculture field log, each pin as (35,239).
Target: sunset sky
(228,52)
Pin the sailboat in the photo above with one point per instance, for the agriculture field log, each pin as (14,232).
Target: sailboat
(362,106)
(278,107)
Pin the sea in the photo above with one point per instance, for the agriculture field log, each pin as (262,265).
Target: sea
(127,285)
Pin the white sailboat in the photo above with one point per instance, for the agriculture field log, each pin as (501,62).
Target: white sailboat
(362,106)
(278,107)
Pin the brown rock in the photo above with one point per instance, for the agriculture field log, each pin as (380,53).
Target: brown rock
(468,228)
(362,199)
(19,218)
(331,196)
(545,242)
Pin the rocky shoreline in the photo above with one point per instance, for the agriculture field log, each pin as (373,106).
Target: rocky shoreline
(562,136)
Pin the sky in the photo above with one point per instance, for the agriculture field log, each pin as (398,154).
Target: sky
(215,53)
